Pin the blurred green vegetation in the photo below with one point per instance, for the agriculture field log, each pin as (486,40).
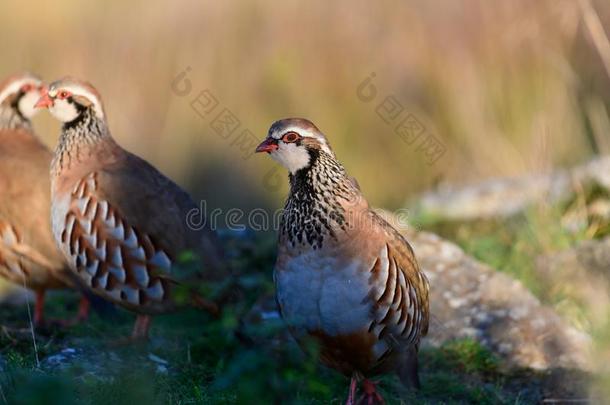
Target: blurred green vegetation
(240,358)
(513,244)
(232,373)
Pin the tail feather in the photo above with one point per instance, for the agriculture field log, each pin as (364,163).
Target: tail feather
(408,369)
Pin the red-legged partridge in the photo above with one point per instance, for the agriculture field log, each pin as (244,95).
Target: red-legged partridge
(120,223)
(343,275)
(28,254)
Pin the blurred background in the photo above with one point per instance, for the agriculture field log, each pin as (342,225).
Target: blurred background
(508,87)
(496,89)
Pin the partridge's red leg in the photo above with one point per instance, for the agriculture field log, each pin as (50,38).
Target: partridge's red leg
(370,396)
(140,328)
(351,398)
(39,308)
(83,309)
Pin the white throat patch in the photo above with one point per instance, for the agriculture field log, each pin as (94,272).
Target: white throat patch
(27,102)
(291,156)
(63,110)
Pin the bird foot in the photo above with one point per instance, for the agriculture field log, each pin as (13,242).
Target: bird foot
(370,395)
(352,392)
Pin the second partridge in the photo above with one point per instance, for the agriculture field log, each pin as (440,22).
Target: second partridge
(120,223)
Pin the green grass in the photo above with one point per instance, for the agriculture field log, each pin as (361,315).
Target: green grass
(512,245)
(236,358)
(459,372)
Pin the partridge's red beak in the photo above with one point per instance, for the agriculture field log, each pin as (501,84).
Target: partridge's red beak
(45,101)
(268,145)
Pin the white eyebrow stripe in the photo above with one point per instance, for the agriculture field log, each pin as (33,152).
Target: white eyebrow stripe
(15,86)
(293,128)
(305,133)
(77,90)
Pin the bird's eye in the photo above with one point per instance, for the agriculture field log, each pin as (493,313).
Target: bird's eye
(291,137)
(63,94)
(26,87)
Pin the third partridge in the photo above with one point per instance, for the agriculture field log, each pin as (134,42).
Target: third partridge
(28,254)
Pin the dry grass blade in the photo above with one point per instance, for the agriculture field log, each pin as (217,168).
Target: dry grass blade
(596,30)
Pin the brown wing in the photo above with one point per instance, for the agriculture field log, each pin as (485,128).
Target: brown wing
(399,291)
(112,257)
(123,232)
(158,207)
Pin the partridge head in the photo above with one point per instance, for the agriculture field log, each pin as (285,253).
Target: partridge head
(69,99)
(294,143)
(18,95)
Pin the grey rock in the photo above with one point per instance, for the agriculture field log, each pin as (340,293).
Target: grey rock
(470,300)
(87,362)
(504,197)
